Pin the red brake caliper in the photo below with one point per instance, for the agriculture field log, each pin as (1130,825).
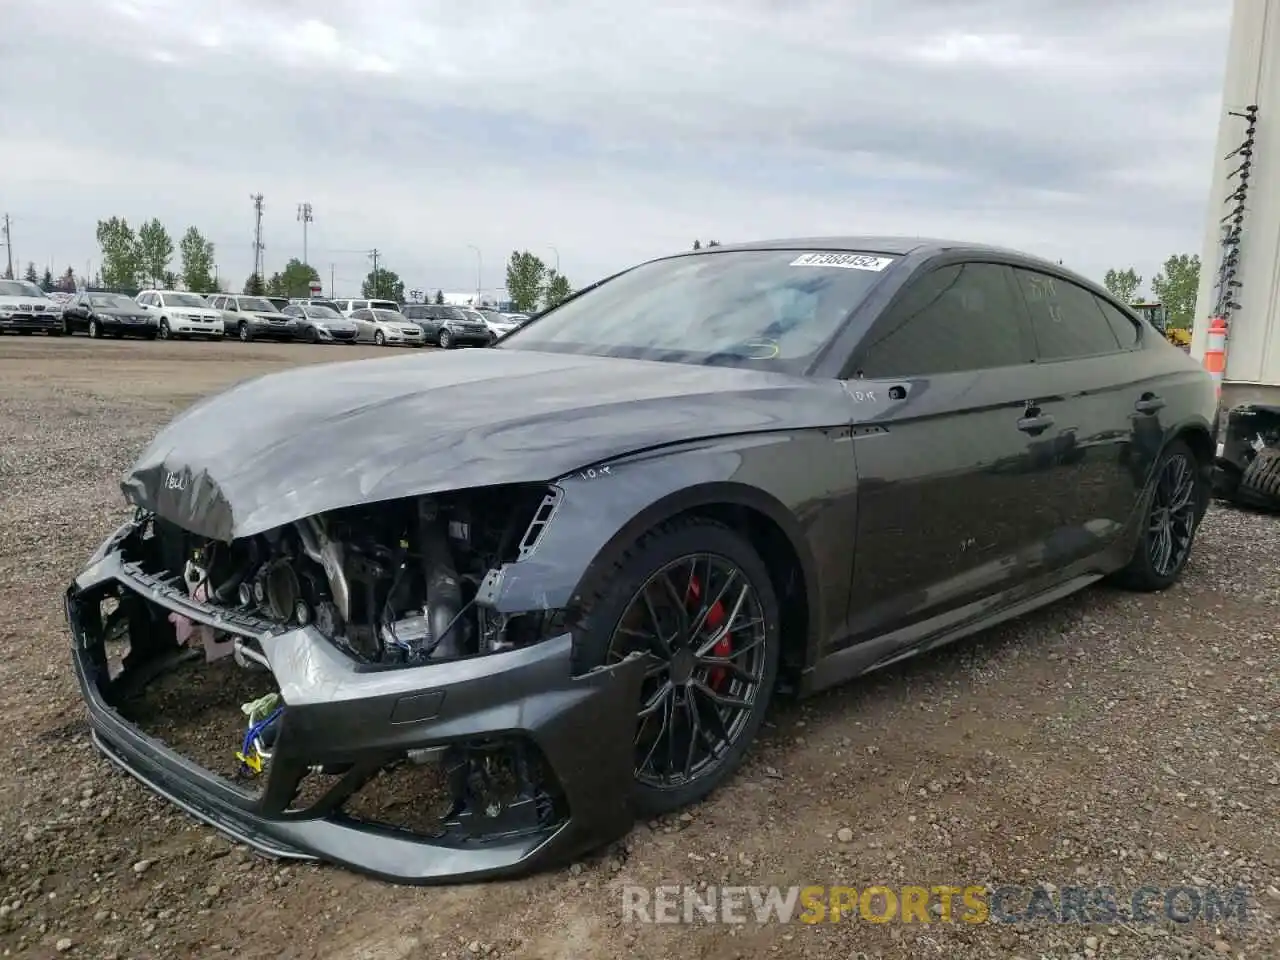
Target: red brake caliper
(715,618)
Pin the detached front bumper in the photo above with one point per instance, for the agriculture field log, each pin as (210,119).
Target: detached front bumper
(339,714)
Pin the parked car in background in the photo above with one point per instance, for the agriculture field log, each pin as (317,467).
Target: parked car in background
(499,324)
(317,323)
(25,308)
(347,307)
(278,302)
(317,302)
(61,297)
(108,315)
(385,327)
(251,318)
(447,326)
(181,315)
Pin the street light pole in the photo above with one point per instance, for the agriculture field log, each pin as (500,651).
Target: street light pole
(479,271)
(557,253)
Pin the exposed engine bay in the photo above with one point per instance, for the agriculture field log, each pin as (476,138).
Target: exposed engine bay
(392,584)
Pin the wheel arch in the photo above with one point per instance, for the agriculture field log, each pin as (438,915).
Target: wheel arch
(773,532)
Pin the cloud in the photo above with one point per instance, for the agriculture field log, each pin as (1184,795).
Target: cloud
(610,132)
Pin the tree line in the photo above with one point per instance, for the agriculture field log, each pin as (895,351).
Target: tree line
(1175,286)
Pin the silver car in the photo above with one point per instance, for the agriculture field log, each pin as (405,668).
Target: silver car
(317,323)
(385,327)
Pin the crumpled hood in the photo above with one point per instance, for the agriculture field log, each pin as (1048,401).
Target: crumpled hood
(293,444)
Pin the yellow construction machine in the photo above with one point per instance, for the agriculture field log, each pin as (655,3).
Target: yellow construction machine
(1155,314)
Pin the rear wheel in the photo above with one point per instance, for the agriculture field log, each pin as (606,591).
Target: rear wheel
(1170,523)
(696,600)
(1262,476)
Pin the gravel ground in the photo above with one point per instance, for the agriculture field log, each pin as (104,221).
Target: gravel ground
(1110,739)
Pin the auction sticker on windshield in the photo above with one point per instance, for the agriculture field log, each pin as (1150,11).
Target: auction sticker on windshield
(846,261)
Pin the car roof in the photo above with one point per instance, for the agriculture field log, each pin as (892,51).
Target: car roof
(917,248)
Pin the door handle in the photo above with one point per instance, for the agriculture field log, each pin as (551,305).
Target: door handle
(1035,424)
(1149,403)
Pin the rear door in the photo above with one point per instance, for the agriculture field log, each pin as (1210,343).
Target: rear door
(949,506)
(1089,387)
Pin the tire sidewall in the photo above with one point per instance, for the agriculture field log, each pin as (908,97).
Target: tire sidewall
(95,331)
(379,338)
(445,340)
(623,580)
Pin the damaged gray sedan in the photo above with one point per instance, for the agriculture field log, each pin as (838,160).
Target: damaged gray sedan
(561,579)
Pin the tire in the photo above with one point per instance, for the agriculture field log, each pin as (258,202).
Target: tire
(165,332)
(151,335)
(1261,477)
(445,339)
(66,326)
(95,331)
(378,339)
(1146,571)
(313,335)
(617,596)
(243,332)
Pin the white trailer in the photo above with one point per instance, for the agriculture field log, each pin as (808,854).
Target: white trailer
(1240,260)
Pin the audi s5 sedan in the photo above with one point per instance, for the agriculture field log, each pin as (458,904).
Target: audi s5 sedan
(570,574)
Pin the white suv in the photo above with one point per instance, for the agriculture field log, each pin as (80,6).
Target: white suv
(348,307)
(181,314)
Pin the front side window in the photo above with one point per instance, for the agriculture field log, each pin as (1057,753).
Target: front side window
(765,309)
(1065,318)
(959,317)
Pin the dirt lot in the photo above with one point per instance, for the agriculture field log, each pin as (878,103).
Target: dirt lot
(1111,739)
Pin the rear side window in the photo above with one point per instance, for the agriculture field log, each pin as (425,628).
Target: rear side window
(959,317)
(1123,327)
(1066,319)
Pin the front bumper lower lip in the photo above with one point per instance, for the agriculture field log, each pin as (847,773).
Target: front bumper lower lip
(336,713)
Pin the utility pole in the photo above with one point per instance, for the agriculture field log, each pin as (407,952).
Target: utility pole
(374,254)
(257,234)
(304,217)
(332,291)
(557,253)
(8,245)
(479,271)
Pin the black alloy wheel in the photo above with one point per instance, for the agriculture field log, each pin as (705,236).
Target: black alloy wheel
(695,599)
(1176,501)
(1171,523)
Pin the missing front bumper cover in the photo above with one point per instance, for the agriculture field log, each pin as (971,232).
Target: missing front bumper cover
(561,742)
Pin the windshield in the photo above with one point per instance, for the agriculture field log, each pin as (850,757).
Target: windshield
(493,316)
(769,309)
(112,301)
(184,300)
(20,288)
(474,315)
(390,316)
(257,305)
(323,313)
(385,305)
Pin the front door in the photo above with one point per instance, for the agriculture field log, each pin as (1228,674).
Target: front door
(950,509)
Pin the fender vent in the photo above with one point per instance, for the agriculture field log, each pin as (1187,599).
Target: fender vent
(538,525)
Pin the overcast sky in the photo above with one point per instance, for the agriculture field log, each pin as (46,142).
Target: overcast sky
(1081,130)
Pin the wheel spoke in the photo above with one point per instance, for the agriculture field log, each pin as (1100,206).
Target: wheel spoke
(695,730)
(657,700)
(709,605)
(663,644)
(721,700)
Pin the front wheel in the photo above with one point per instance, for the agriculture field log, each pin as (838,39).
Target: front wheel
(446,339)
(1174,508)
(695,598)
(379,339)
(243,332)
(313,335)
(94,330)
(165,332)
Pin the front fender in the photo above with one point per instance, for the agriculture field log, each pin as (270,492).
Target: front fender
(803,482)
